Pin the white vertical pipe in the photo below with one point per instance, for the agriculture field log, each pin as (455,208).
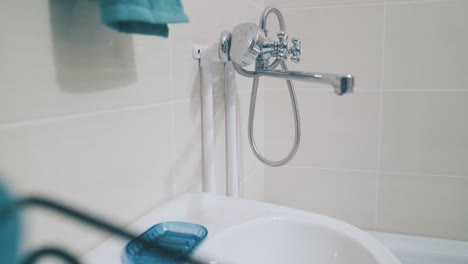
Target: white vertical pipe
(209,180)
(231,129)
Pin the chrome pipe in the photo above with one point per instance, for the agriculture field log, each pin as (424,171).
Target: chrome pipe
(341,83)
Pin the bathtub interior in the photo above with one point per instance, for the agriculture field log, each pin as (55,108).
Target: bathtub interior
(424,250)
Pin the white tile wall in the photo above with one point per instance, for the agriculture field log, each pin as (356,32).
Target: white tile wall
(425,132)
(187,146)
(115,164)
(253,187)
(306,3)
(347,195)
(424,46)
(247,161)
(424,205)
(72,64)
(118,117)
(343,39)
(106,121)
(337,131)
(396,150)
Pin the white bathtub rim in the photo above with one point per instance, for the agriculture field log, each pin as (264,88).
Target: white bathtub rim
(401,243)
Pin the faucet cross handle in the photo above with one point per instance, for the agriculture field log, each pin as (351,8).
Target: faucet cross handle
(295,50)
(282,45)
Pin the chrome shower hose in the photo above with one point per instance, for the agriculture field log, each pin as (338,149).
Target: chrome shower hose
(292,95)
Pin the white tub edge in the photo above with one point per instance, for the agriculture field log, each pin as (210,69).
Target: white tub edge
(399,243)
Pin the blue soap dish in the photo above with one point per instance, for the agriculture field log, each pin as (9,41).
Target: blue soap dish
(176,239)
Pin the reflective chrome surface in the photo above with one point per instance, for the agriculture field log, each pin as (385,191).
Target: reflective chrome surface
(246,43)
(251,43)
(263,62)
(224,46)
(342,83)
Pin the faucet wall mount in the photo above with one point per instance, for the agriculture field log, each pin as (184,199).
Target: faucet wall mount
(250,43)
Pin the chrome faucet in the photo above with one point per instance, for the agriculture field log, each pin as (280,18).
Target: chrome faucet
(248,43)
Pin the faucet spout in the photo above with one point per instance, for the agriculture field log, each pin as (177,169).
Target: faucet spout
(342,84)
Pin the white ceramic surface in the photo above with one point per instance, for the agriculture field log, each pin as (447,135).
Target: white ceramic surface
(243,231)
(424,250)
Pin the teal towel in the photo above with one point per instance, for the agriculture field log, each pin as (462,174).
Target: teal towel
(149,17)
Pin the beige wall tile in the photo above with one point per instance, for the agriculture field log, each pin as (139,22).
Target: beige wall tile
(425,132)
(117,165)
(187,163)
(424,45)
(423,205)
(92,96)
(301,3)
(63,61)
(253,187)
(220,142)
(203,29)
(345,40)
(246,158)
(245,84)
(402,1)
(421,132)
(337,131)
(346,195)
(259,4)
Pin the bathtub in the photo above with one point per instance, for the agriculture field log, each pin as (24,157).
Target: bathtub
(424,250)
(230,221)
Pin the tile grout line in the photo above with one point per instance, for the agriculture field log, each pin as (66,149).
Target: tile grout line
(66,117)
(371,90)
(398,2)
(250,174)
(58,118)
(331,169)
(255,5)
(426,174)
(375,171)
(344,5)
(171,72)
(316,6)
(379,148)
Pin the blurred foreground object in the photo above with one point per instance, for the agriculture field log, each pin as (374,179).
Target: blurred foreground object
(9,229)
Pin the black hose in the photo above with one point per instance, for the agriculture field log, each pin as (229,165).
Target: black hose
(35,256)
(76,214)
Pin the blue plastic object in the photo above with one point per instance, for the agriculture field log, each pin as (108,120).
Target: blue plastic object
(9,229)
(149,17)
(177,239)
